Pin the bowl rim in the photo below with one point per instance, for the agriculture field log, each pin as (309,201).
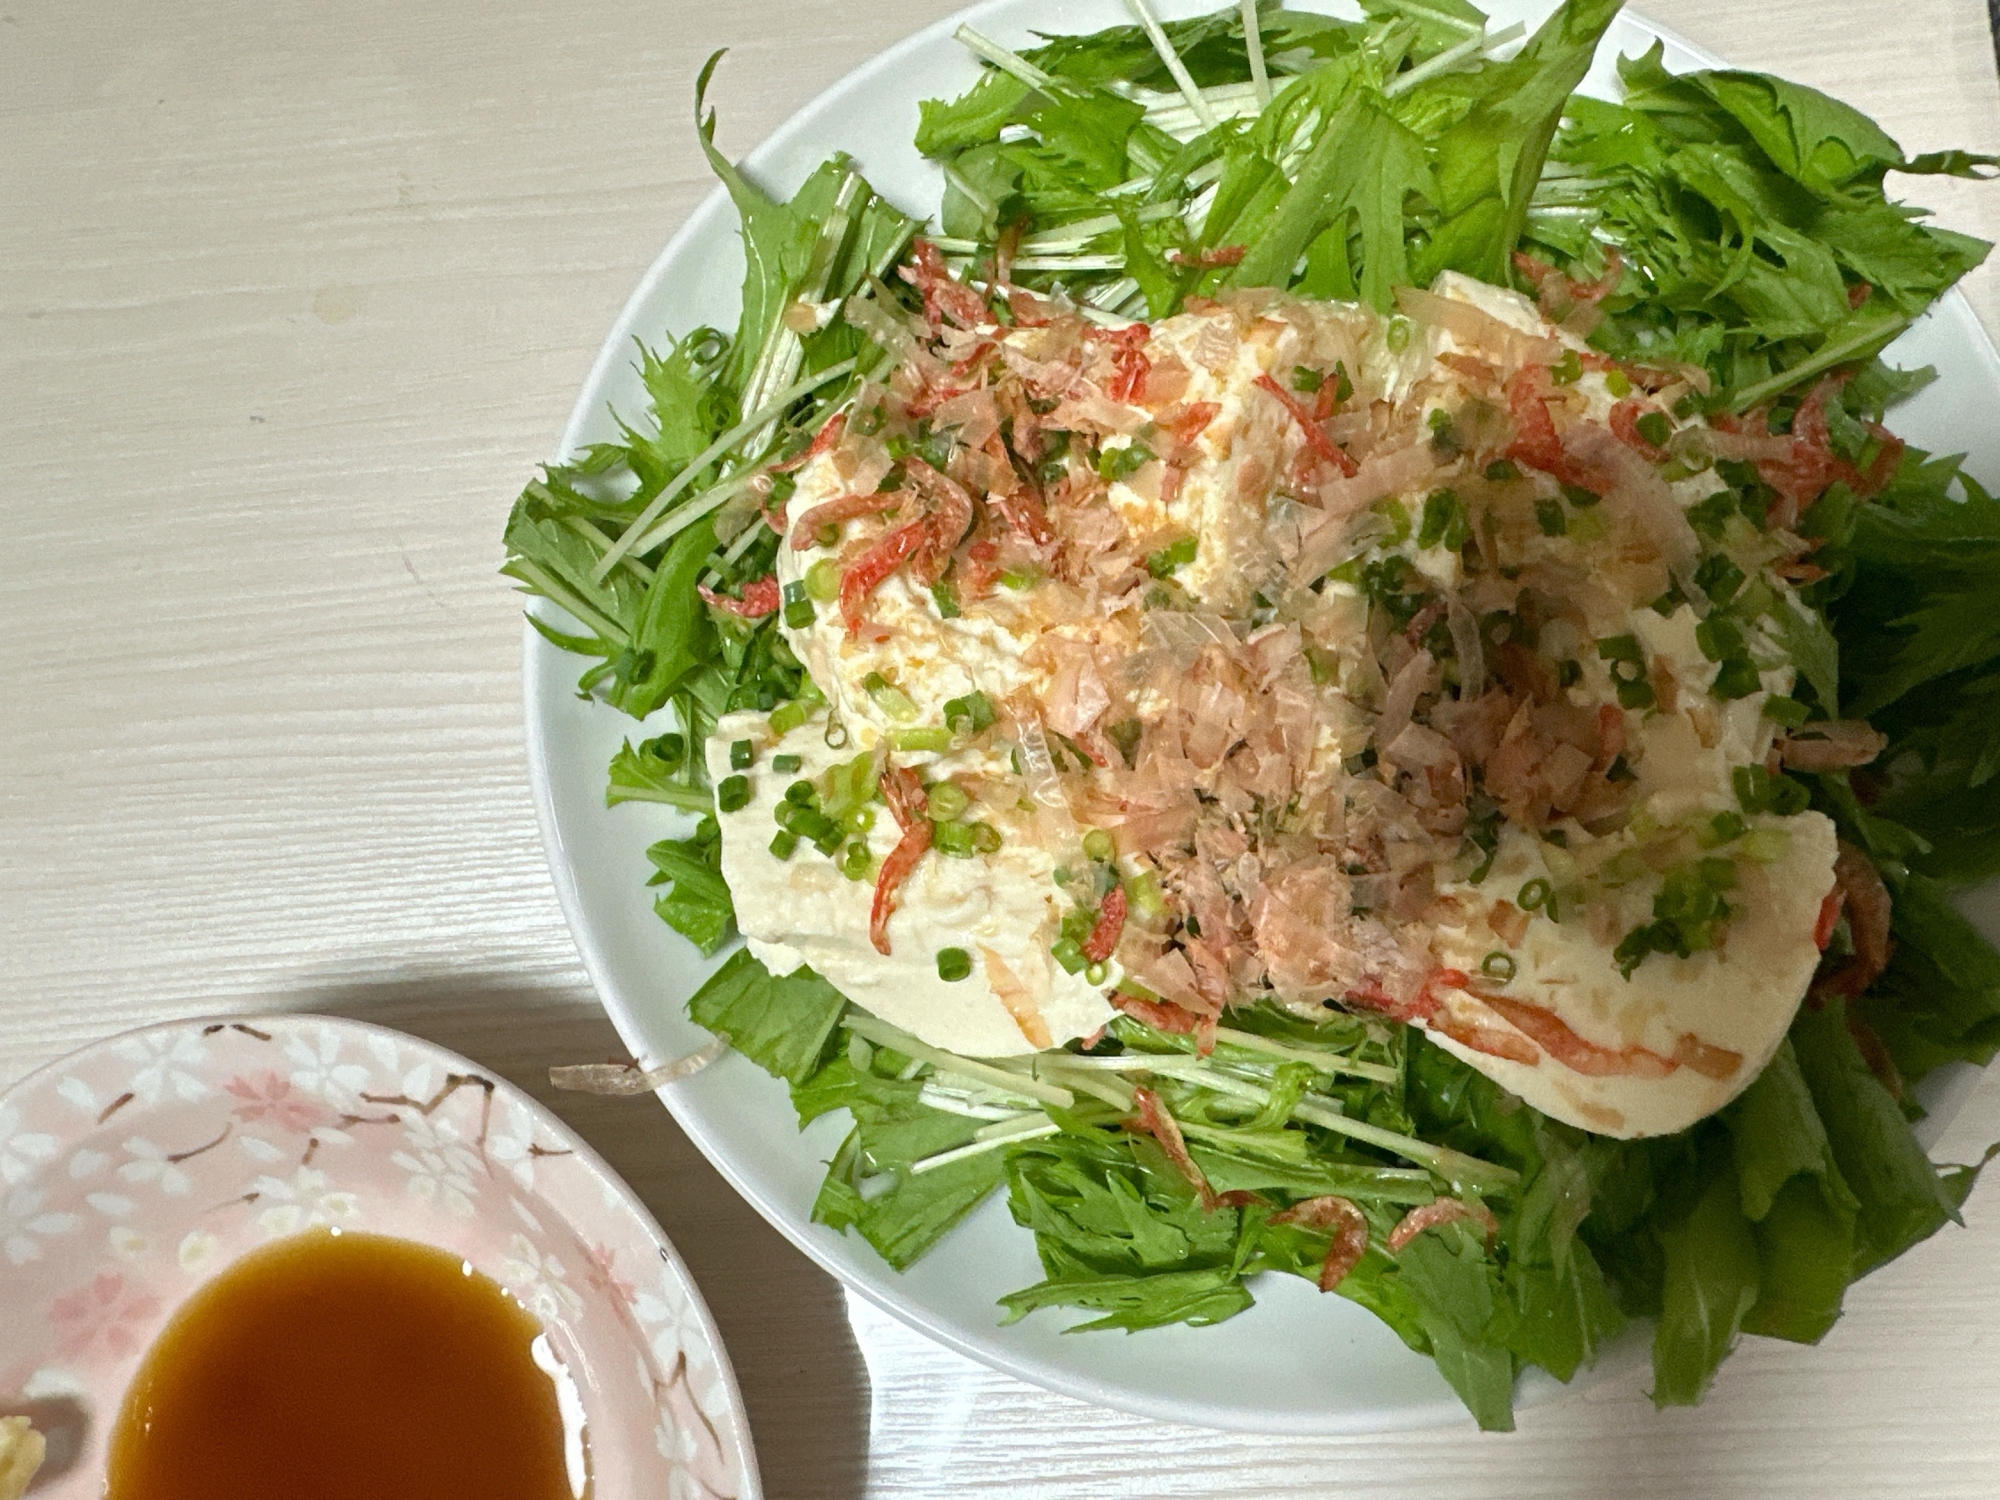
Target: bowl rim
(615,1189)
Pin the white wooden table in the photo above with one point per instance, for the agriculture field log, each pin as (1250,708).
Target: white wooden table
(292,297)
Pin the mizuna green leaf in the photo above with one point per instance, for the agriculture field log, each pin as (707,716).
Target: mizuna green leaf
(782,1024)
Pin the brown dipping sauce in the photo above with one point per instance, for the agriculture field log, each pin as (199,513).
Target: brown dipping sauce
(340,1366)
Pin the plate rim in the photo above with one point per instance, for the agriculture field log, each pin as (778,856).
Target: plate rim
(1534,1388)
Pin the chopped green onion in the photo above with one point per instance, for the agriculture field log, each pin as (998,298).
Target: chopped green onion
(1125,735)
(742,755)
(856,863)
(1622,868)
(963,840)
(789,716)
(1568,370)
(802,793)
(1097,973)
(1099,846)
(1498,965)
(808,823)
(1786,711)
(1549,516)
(851,783)
(970,714)
(1758,791)
(1020,578)
(947,799)
(935,739)
(1120,463)
(1766,846)
(1687,914)
(1628,670)
(946,598)
(1176,554)
(1534,895)
(1143,892)
(784,765)
(783,842)
(1616,383)
(952,838)
(858,819)
(1722,829)
(1635,695)
(891,700)
(1502,471)
(1737,678)
(666,748)
(1069,953)
(1398,517)
(1719,578)
(1711,516)
(1444,522)
(732,793)
(953,964)
(823,581)
(1655,428)
(1718,637)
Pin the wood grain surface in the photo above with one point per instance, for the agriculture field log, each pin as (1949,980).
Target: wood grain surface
(292,297)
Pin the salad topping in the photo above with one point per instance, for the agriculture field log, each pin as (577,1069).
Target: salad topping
(1337,664)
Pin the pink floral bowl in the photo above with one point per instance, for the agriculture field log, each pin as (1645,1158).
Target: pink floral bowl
(137,1168)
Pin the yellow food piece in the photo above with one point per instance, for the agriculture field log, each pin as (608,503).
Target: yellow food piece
(22,1450)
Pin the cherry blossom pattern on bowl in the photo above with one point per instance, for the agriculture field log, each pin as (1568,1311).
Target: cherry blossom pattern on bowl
(134,1170)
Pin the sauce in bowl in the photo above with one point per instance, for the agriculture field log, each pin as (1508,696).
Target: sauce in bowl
(333,1365)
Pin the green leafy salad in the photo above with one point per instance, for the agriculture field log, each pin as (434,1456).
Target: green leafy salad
(1326,531)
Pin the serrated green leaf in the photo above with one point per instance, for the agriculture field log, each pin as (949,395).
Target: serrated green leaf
(1363,167)
(1711,1281)
(946,127)
(1200,1298)
(1901,1198)
(1779,1136)
(782,1023)
(1454,1286)
(696,902)
(1482,195)
(776,243)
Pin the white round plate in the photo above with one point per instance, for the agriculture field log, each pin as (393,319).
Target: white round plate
(134,1170)
(1298,1362)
